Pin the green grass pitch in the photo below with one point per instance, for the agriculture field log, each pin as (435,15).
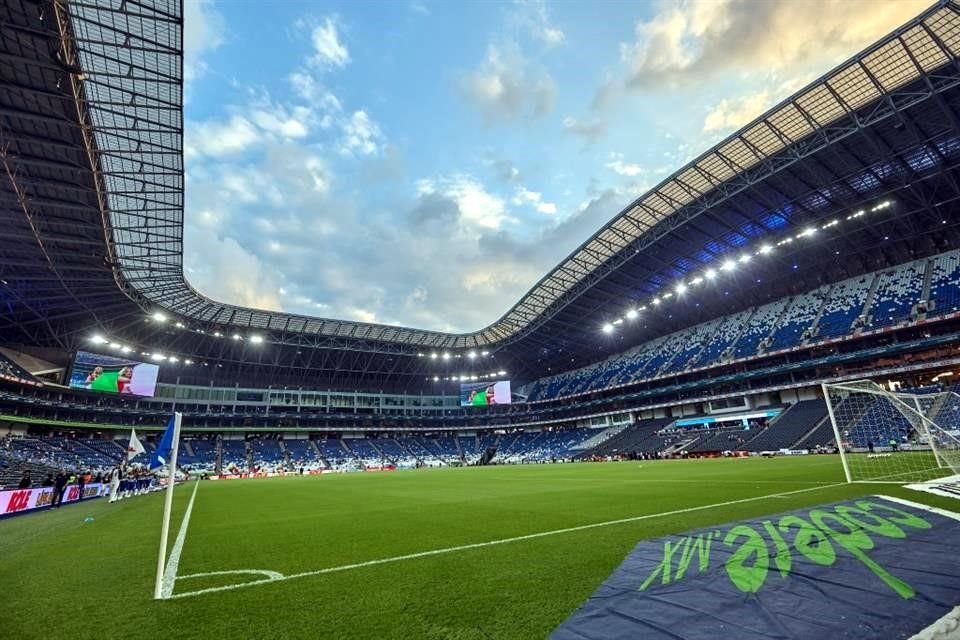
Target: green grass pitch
(63,578)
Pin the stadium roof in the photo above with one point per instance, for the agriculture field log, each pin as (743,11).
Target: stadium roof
(92,130)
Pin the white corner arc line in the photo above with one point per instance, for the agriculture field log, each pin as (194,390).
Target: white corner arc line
(478,545)
(173,562)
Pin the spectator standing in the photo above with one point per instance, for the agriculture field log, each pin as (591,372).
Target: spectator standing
(81,481)
(59,486)
(24,481)
(48,481)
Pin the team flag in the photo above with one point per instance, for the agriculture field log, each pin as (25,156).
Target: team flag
(134,448)
(161,456)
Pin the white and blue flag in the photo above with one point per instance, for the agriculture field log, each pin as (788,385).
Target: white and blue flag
(161,456)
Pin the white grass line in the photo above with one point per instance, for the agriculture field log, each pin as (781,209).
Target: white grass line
(953,515)
(476,545)
(173,562)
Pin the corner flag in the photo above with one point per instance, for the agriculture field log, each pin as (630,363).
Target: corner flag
(166,454)
(162,455)
(134,448)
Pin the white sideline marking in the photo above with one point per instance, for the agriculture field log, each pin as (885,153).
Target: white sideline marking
(463,547)
(953,515)
(173,562)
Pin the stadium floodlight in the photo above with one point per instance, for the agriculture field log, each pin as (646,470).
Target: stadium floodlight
(114,345)
(809,231)
(618,321)
(667,295)
(446,356)
(501,373)
(173,359)
(681,288)
(256,339)
(632,314)
(710,274)
(217,334)
(484,353)
(607,328)
(745,258)
(472,355)
(656,301)
(433,356)
(180,325)
(125,349)
(236,336)
(420,355)
(159,316)
(158,357)
(473,377)
(436,378)
(696,280)
(97,339)
(765,249)
(728,265)
(188,361)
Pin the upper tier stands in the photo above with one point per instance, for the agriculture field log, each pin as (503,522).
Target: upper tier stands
(945,283)
(761,324)
(896,295)
(792,327)
(846,301)
(872,301)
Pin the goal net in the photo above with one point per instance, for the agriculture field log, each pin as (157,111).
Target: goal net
(887,436)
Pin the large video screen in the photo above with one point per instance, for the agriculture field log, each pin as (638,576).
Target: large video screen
(484,394)
(110,374)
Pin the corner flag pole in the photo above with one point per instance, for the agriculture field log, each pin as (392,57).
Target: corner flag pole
(167,507)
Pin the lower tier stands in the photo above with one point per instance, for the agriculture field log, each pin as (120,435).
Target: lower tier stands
(790,426)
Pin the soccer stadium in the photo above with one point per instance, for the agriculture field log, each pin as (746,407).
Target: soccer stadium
(732,410)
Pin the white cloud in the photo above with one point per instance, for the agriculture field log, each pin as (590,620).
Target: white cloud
(733,113)
(589,131)
(505,86)
(419,7)
(203,31)
(617,164)
(361,135)
(218,139)
(328,50)
(277,121)
(690,39)
(534,198)
(533,17)
(476,205)
(222,269)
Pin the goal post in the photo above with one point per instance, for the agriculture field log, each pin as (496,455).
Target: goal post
(888,436)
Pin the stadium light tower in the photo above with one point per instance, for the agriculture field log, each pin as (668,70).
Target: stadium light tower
(607,328)
(97,339)
(159,316)
(632,314)
(256,339)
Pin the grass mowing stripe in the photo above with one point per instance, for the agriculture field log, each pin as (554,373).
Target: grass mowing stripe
(173,562)
(278,577)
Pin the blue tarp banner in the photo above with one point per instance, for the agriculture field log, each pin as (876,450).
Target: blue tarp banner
(867,568)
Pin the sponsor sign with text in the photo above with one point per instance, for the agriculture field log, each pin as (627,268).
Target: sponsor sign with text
(867,568)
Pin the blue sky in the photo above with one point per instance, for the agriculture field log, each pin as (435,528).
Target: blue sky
(425,163)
